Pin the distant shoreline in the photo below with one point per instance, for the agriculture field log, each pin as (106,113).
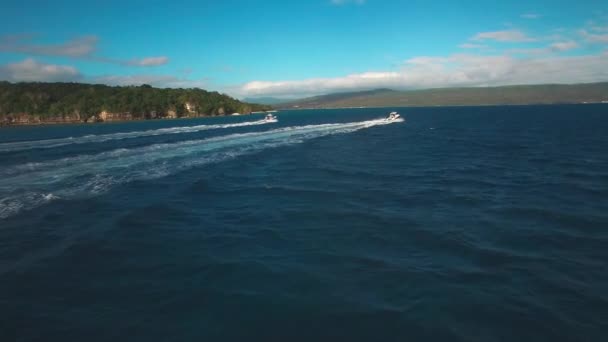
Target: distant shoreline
(448,105)
(285,110)
(469,96)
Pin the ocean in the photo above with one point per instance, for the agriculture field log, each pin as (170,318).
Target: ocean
(460,224)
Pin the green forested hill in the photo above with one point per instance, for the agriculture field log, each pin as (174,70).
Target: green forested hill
(524,94)
(76,102)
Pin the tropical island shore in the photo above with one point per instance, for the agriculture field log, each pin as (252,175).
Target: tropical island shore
(35,103)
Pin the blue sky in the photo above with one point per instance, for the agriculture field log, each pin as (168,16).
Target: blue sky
(301,48)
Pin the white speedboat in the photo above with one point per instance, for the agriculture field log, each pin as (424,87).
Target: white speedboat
(270,118)
(393,116)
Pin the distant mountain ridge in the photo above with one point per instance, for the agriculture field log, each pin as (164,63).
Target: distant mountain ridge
(503,95)
(264,100)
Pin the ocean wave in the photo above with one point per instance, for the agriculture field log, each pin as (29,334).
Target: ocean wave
(93,138)
(87,175)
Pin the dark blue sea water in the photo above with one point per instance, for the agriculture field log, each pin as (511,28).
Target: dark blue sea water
(461,224)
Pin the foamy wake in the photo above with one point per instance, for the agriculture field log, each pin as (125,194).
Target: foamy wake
(50,143)
(29,185)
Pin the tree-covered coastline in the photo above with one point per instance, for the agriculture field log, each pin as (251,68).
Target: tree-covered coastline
(38,103)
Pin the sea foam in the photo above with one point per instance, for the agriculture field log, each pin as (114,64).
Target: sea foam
(26,186)
(93,138)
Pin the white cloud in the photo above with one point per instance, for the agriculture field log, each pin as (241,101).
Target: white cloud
(471,46)
(149,61)
(345,2)
(551,49)
(29,70)
(564,46)
(597,25)
(599,28)
(594,37)
(77,47)
(319,85)
(84,47)
(449,71)
(530,16)
(503,36)
(529,52)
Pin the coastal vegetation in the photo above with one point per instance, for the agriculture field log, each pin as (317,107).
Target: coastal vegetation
(35,102)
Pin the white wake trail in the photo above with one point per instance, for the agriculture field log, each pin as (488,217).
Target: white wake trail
(97,138)
(85,175)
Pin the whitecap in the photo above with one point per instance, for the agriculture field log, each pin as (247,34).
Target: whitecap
(30,185)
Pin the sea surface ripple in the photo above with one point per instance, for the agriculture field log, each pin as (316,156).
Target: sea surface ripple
(460,224)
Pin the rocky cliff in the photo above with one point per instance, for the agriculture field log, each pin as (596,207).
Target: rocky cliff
(104,116)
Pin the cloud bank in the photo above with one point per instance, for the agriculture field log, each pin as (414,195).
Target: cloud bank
(76,48)
(84,47)
(513,36)
(29,70)
(457,70)
(594,37)
(503,57)
(149,61)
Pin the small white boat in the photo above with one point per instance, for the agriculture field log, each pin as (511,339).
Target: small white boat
(270,118)
(393,116)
